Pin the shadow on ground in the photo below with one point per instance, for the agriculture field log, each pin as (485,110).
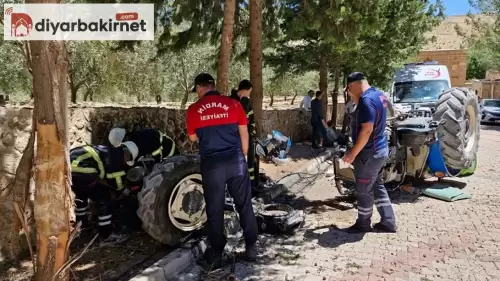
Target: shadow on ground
(331,236)
(303,151)
(491,127)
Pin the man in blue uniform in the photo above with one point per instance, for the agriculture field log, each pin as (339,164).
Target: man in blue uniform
(219,124)
(368,155)
(242,94)
(149,141)
(95,169)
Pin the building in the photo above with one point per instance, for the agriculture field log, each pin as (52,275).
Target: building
(449,48)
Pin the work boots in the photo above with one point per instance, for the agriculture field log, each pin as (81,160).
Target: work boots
(114,239)
(251,253)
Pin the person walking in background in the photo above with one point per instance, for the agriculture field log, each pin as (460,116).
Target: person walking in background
(318,122)
(349,108)
(306,101)
(368,155)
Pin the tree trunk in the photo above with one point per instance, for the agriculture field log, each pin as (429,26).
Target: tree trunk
(256,62)
(86,95)
(272,100)
(225,47)
(335,96)
(294,97)
(347,98)
(185,98)
(323,83)
(73,95)
(73,87)
(53,197)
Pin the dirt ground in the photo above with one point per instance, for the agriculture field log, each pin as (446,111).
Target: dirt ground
(299,155)
(101,264)
(141,251)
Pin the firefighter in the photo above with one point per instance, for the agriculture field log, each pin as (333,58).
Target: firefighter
(149,141)
(94,170)
(219,124)
(242,94)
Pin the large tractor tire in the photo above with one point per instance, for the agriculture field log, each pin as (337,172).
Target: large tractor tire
(459,135)
(171,203)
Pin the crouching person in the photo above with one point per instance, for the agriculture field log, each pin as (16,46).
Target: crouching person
(149,142)
(94,170)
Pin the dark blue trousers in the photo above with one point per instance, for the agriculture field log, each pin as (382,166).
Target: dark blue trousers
(370,189)
(88,186)
(318,129)
(218,172)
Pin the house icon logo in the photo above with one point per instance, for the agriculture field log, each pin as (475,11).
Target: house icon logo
(20,23)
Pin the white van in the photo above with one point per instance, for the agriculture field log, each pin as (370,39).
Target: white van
(419,85)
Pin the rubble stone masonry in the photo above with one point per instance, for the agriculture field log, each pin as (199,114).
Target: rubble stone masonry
(92,124)
(455,60)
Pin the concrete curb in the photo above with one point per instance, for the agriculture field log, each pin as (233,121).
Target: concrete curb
(174,264)
(286,183)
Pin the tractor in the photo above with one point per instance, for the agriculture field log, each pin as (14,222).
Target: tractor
(432,129)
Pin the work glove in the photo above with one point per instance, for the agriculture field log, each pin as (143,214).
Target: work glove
(126,192)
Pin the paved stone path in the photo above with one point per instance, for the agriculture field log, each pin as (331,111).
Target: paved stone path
(437,241)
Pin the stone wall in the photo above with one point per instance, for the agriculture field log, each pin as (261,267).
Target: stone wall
(455,60)
(487,89)
(92,124)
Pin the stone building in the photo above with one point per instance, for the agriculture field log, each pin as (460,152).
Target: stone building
(448,48)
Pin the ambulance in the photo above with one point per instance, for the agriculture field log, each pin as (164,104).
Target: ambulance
(418,85)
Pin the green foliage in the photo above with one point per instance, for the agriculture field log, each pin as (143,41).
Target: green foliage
(398,34)
(476,67)
(373,36)
(484,40)
(357,34)
(88,70)
(15,78)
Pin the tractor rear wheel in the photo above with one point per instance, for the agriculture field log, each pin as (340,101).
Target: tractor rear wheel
(171,203)
(459,136)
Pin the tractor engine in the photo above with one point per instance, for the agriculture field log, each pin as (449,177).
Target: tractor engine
(409,135)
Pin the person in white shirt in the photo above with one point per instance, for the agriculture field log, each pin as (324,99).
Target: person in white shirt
(306,101)
(348,110)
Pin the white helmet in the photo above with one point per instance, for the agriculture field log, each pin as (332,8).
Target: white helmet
(134,150)
(116,136)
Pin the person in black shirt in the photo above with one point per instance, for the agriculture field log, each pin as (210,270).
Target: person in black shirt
(318,120)
(242,94)
(149,141)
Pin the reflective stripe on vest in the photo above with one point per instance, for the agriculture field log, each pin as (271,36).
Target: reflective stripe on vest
(118,178)
(172,149)
(159,151)
(91,153)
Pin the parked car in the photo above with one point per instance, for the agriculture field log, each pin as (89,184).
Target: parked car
(490,110)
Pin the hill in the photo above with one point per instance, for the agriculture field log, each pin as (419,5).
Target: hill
(446,37)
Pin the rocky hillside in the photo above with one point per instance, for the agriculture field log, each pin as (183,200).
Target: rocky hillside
(446,35)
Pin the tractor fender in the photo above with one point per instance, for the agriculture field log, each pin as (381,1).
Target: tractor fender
(436,163)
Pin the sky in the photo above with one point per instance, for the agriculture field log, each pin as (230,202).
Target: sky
(457,7)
